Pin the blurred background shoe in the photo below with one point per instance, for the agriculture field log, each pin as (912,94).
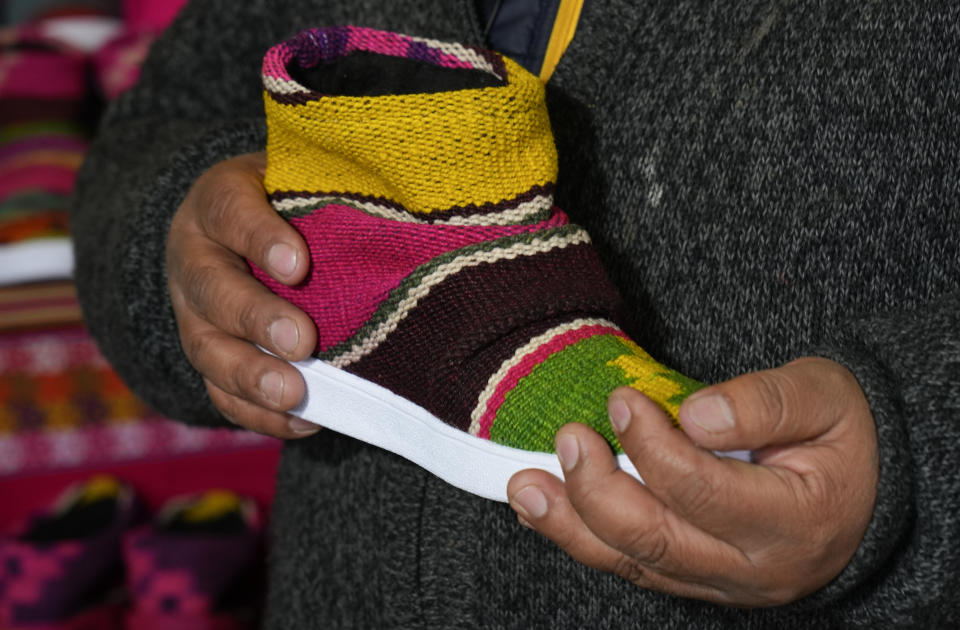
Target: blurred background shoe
(197,566)
(64,568)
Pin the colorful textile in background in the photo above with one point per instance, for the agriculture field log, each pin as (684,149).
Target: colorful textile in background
(44,100)
(57,69)
(38,305)
(61,405)
(22,11)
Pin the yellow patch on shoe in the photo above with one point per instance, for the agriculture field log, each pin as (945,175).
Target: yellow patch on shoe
(666,387)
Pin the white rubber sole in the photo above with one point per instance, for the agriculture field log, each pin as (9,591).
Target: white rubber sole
(348,404)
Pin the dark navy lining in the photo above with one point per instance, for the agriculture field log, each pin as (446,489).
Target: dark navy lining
(521,29)
(362,73)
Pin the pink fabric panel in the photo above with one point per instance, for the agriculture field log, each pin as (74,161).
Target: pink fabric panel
(357,259)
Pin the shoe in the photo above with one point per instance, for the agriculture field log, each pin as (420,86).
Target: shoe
(197,566)
(462,318)
(64,569)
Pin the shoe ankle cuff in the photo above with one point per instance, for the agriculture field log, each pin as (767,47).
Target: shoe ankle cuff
(430,153)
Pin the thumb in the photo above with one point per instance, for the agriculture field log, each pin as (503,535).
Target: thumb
(796,402)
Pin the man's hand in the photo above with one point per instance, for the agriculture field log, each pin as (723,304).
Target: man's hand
(713,528)
(222,310)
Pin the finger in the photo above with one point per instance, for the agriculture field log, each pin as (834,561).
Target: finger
(256,418)
(625,515)
(541,503)
(235,213)
(723,497)
(213,288)
(760,409)
(240,368)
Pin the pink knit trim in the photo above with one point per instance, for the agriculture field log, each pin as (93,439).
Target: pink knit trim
(341,41)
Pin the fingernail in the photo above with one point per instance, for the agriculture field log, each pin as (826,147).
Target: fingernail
(282,259)
(711,413)
(531,501)
(271,386)
(302,427)
(619,413)
(568,450)
(284,335)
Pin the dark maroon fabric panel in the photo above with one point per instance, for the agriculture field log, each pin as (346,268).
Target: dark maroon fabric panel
(442,354)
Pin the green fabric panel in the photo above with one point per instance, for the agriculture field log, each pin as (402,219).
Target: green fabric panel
(570,386)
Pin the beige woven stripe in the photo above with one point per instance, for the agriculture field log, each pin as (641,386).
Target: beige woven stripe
(518,357)
(506,217)
(457,50)
(283,86)
(537,246)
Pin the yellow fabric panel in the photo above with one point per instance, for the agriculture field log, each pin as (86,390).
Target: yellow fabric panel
(427,152)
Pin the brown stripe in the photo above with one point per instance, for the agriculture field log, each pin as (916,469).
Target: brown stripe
(443,353)
(39,303)
(35,291)
(495,61)
(440,215)
(41,318)
(17,110)
(296,98)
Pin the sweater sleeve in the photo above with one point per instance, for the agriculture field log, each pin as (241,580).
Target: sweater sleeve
(197,103)
(908,364)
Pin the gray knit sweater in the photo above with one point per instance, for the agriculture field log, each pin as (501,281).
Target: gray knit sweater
(764,179)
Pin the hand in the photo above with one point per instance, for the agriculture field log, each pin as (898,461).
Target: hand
(715,528)
(222,310)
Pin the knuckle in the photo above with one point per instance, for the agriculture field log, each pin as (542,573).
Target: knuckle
(220,200)
(200,284)
(647,545)
(247,320)
(566,539)
(223,199)
(775,395)
(693,495)
(243,379)
(196,346)
(228,214)
(630,569)
(225,404)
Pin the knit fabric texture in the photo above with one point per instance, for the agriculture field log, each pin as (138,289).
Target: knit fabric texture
(440,267)
(763,181)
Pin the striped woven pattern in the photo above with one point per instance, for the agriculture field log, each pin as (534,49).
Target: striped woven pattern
(441,269)
(42,93)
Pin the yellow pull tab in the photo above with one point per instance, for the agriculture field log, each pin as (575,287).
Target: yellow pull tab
(568,14)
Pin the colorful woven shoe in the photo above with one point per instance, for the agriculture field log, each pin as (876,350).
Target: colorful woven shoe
(197,566)
(462,319)
(64,570)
